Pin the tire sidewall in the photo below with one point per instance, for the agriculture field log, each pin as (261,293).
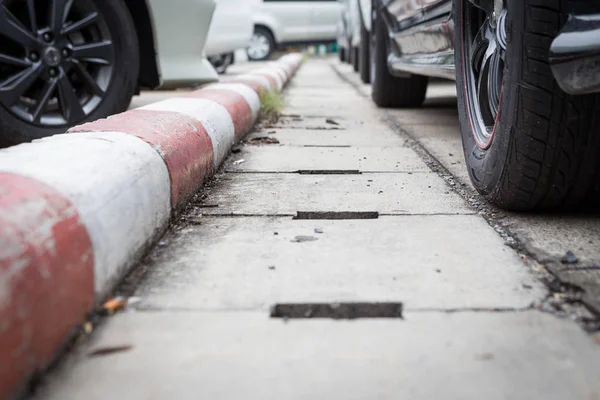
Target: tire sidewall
(120,90)
(487,166)
(264,32)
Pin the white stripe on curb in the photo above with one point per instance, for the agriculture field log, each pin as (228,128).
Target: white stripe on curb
(214,118)
(271,72)
(119,185)
(254,78)
(245,91)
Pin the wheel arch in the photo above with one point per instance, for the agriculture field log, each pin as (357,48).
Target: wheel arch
(269,23)
(149,74)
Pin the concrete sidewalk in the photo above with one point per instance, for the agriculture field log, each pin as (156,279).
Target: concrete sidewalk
(393,231)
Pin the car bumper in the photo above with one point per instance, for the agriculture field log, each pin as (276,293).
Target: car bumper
(181,29)
(575,55)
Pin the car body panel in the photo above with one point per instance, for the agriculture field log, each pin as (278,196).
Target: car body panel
(344,29)
(181,29)
(365,10)
(232,26)
(299,21)
(423,42)
(354,13)
(324,15)
(422,33)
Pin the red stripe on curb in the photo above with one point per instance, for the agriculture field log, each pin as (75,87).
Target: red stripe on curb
(236,105)
(47,276)
(182,142)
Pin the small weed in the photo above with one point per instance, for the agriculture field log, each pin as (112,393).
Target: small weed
(271,105)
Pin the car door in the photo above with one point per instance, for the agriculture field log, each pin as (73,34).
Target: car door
(292,17)
(325,15)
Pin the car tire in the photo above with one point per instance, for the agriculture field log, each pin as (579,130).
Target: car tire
(542,148)
(342,54)
(355,58)
(221,62)
(364,57)
(388,90)
(264,37)
(47,106)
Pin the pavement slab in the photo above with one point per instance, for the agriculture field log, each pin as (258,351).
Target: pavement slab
(292,159)
(286,194)
(189,355)
(249,263)
(319,135)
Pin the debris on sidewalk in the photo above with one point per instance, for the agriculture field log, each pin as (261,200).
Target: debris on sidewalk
(263,140)
(105,351)
(116,304)
(318,230)
(569,258)
(302,239)
(238,162)
(331,121)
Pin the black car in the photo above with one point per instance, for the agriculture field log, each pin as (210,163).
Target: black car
(528,77)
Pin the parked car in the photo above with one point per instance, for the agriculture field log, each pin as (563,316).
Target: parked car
(63,63)
(344,32)
(350,31)
(281,23)
(231,29)
(527,75)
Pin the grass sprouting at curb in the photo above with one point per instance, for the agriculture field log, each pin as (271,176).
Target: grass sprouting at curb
(271,105)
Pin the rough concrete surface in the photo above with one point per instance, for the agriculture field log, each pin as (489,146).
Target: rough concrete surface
(472,327)
(547,236)
(388,193)
(249,263)
(227,355)
(293,159)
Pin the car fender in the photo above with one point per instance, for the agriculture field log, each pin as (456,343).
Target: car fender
(267,20)
(355,22)
(365,11)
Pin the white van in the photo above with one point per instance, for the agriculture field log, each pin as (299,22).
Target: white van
(281,23)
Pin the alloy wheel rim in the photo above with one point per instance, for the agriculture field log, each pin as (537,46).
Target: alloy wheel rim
(57,60)
(259,46)
(484,29)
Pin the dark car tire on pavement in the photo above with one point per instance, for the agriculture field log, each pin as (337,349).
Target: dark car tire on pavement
(541,150)
(355,58)
(364,57)
(388,90)
(342,54)
(75,87)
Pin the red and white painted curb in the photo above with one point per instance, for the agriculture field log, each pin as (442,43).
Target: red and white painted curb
(78,210)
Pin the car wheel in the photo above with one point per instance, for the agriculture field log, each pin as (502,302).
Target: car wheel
(364,57)
(342,54)
(63,64)
(388,90)
(527,144)
(355,61)
(222,62)
(262,44)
